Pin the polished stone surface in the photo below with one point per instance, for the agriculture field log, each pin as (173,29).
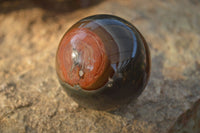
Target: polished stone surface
(103,62)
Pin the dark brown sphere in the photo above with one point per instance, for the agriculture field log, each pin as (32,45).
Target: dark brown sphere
(103,62)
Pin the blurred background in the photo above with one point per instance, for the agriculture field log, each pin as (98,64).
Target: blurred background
(31,99)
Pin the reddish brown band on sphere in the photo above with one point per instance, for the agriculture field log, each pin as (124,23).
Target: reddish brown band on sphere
(82,60)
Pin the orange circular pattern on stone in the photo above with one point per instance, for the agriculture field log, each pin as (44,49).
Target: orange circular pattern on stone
(82,60)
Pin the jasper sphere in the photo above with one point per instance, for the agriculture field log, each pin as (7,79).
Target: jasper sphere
(103,62)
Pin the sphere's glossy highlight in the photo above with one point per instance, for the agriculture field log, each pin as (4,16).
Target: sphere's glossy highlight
(103,62)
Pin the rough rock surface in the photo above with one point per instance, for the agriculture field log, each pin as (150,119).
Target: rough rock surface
(188,122)
(31,99)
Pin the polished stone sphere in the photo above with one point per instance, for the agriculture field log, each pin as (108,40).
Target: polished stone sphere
(103,62)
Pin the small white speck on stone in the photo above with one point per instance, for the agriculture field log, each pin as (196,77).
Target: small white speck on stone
(110,79)
(74,54)
(110,82)
(109,85)
(81,73)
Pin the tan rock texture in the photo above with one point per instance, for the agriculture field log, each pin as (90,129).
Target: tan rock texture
(32,100)
(188,122)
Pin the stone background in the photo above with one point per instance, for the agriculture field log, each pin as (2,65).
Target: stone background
(31,99)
